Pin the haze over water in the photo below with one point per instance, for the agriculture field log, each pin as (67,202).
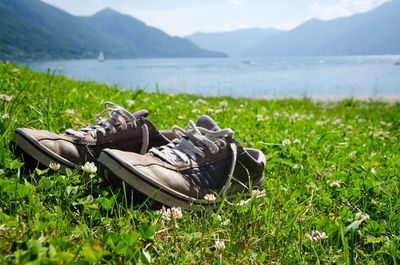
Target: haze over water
(286,76)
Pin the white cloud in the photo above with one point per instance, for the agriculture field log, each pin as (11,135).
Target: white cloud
(343,8)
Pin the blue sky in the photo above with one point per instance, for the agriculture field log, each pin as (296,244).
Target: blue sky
(182,17)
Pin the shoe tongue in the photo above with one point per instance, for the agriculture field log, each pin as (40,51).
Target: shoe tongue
(141,113)
(206,122)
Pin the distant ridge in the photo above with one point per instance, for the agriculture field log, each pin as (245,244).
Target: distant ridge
(375,32)
(31,29)
(234,43)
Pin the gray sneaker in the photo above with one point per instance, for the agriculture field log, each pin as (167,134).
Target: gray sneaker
(121,130)
(202,164)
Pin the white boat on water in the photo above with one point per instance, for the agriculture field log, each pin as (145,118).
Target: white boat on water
(101,58)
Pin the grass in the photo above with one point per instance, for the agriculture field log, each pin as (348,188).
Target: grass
(339,175)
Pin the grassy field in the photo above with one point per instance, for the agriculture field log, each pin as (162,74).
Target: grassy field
(331,181)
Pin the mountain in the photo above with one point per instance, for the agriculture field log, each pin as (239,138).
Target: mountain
(31,29)
(145,41)
(371,33)
(234,43)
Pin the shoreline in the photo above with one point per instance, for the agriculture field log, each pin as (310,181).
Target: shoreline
(336,98)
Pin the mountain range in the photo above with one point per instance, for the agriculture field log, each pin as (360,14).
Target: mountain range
(371,33)
(31,29)
(232,43)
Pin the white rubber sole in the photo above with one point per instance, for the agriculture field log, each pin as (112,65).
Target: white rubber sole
(31,147)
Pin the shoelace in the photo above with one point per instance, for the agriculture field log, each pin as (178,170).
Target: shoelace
(117,116)
(190,143)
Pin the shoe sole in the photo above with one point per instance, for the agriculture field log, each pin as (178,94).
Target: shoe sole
(112,168)
(32,150)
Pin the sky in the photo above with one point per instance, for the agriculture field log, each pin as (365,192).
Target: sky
(183,17)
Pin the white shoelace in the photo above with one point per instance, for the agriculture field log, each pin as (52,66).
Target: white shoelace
(117,116)
(190,143)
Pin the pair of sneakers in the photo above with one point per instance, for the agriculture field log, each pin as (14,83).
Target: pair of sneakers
(178,168)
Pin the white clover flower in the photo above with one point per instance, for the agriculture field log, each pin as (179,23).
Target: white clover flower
(170,213)
(89,167)
(220,245)
(5,116)
(54,166)
(298,166)
(15,71)
(5,97)
(201,101)
(168,107)
(210,110)
(255,193)
(320,123)
(195,111)
(300,219)
(276,115)
(316,236)
(223,104)
(180,117)
(297,141)
(349,127)
(69,112)
(373,171)
(284,189)
(353,154)
(312,131)
(218,111)
(218,217)
(259,117)
(335,184)
(337,121)
(383,123)
(130,102)
(146,99)
(286,142)
(210,197)
(362,216)
(227,222)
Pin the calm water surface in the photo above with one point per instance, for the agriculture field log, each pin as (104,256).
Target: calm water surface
(303,76)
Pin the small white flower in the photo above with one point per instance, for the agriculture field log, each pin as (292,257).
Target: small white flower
(130,102)
(201,101)
(353,154)
(15,71)
(170,213)
(195,111)
(297,141)
(276,115)
(259,117)
(218,217)
(69,112)
(336,122)
(286,142)
(300,219)
(89,167)
(210,197)
(284,189)
(5,116)
(298,166)
(5,97)
(373,171)
(361,215)
(383,123)
(316,235)
(223,104)
(335,184)
(220,245)
(255,193)
(210,110)
(320,123)
(54,166)
(218,111)
(349,127)
(180,117)
(168,107)
(312,131)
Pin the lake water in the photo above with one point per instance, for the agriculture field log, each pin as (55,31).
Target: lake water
(300,76)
